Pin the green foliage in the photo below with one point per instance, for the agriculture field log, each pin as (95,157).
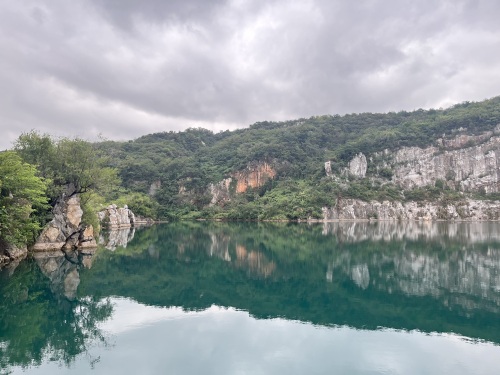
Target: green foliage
(187,162)
(433,193)
(67,162)
(70,166)
(385,173)
(22,194)
(140,204)
(91,203)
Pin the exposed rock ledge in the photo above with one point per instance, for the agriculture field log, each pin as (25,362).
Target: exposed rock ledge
(467,210)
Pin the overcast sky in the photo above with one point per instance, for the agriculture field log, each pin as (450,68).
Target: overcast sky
(125,68)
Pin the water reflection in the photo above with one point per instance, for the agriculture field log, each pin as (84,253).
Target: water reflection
(116,238)
(42,318)
(430,277)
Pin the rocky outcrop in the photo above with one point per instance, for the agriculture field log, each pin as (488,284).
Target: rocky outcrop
(64,231)
(468,209)
(466,163)
(469,169)
(253,176)
(220,192)
(115,218)
(358,166)
(10,253)
(328,169)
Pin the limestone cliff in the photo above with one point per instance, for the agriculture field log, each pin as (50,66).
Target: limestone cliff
(467,209)
(64,231)
(255,175)
(468,163)
(358,166)
(115,218)
(473,168)
(220,192)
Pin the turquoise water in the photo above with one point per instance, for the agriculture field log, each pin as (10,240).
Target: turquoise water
(217,298)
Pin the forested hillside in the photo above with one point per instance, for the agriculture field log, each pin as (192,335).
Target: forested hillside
(178,168)
(293,170)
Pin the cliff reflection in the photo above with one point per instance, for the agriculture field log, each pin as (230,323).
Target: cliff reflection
(112,239)
(457,263)
(426,276)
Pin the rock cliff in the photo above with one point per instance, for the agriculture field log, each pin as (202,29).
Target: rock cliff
(64,231)
(116,218)
(253,176)
(467,210)
(468,163)
(358,166)
(474,168)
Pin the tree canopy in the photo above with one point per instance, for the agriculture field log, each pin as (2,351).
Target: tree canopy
(22,193)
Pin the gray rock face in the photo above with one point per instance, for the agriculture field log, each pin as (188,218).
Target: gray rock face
(328,169)
(64,230)
(469,169)
(465,163)
(468,163)
(468,209)
(358,166)
(116,218)
(220,192)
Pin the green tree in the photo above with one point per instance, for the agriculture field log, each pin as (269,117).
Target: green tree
(67,162)
(21,194)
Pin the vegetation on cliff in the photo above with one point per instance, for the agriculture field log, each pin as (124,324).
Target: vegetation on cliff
(40,170)
(175,174)
(183,165)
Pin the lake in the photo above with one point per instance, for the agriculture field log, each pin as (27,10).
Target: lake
(260,298)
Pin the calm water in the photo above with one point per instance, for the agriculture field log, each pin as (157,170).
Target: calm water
(214,298)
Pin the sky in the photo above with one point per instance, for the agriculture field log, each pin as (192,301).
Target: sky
(119,69)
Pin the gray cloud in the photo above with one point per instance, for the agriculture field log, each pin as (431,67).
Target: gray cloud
(126,68)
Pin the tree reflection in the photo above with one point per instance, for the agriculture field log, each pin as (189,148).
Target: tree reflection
(41,317)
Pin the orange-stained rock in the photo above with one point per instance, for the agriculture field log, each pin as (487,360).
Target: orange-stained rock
(253,176)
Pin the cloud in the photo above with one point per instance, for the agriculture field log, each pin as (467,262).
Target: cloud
(126,68)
